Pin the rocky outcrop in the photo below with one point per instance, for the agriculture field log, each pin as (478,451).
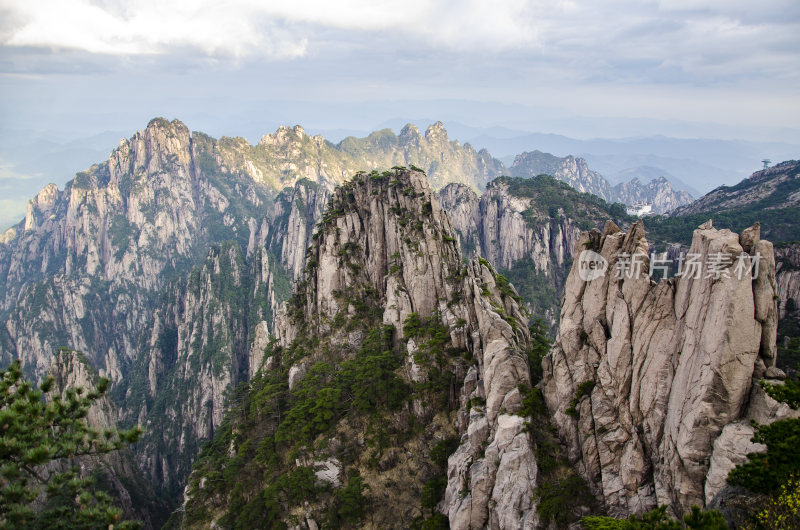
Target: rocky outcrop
(117,471)
(70,369)
(527,228)
(492,474)
(658,192)
(384,250)
(573,171)
(400,223)
(645,377)
(787,276)
(734,443)
(494,462)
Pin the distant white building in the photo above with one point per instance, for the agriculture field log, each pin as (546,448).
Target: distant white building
(639,209)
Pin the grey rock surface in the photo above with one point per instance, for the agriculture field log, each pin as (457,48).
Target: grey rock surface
(669,365)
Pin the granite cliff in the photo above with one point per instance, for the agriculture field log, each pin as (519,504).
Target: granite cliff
(116,473)
(384,266)
(396,374)
(651,385)
(527,229)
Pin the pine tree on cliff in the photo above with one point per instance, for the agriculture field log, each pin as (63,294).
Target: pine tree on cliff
(41,432)
(775,474)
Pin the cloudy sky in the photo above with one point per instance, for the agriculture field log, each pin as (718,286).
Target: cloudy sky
(72,69)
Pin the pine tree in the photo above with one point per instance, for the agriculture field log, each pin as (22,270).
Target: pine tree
(776,472)
(41,432)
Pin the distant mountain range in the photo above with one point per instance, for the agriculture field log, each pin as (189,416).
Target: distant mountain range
(704,163)
(575,171)
(168,264)
(30,159)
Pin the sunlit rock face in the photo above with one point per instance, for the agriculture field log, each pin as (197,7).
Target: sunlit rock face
(649,383)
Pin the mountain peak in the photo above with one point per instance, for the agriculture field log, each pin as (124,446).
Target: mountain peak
(417,338)
(163,123)
(409,131)
(283,135)
(436,132)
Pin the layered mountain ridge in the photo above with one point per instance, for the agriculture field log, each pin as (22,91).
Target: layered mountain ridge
(527,228)
(774,187)
(658,192)
(169,263)
(451,342)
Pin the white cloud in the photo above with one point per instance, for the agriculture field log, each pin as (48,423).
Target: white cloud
(277,29)
(676,41)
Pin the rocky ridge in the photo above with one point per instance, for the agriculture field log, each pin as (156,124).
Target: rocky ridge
(384,253)
(650,385)
(774,187)
(111,239)
(527,228)
(575,172)
(658,192)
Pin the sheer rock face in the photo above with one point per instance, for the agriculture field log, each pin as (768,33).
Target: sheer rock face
(196,351)
(390,234)
(287,229)
(495,225)
(88,261)
(119,472)
(573,171)
(462,205)
(787,275)
(668,365)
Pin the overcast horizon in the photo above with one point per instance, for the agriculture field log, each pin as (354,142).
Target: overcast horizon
(71,70)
